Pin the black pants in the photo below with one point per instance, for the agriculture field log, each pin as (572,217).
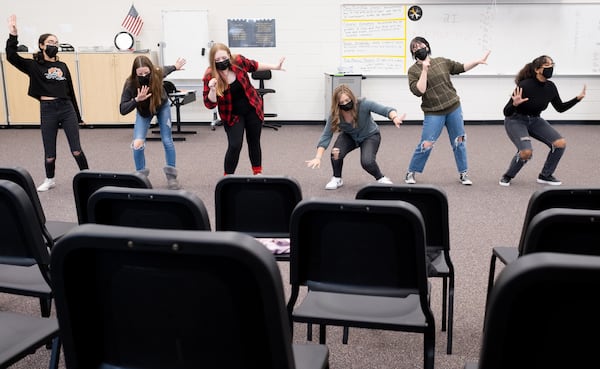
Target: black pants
(235,136)
(53,114)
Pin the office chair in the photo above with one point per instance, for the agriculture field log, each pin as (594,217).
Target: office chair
(86,182)
(543,313)
(261,77)
(169,299)
(432,202)
(363,263)
(549,197)
(24,256)
(51,229)
(148,208)
(260,206)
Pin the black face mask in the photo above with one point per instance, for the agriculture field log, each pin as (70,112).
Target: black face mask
(347,106)
(144,80)
(51,51)
(421,54)
(222,65)
(547,72)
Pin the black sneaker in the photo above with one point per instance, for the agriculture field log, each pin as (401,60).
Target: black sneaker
(505,181)
(548,180)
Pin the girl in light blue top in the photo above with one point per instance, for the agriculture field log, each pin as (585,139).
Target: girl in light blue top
(352,118)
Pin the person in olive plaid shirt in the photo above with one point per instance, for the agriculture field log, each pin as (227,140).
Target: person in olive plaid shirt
(228,87)
(429,78)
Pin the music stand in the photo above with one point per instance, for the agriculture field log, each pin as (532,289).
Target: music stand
(178,99)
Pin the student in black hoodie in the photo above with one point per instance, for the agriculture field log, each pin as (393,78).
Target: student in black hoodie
(49,82)
(523,122)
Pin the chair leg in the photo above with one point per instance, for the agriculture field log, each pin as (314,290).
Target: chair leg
(429,349)
(345,335)
(45,306)
(444,302)
(450,313)
(309,331)
(322,334)
(55,353)
(491,278)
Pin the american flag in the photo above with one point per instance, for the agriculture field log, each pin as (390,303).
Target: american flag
(133,22)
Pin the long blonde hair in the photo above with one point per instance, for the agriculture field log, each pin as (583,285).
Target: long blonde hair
(222,84)
(335,107)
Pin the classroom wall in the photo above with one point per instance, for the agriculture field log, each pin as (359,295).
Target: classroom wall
(308,35)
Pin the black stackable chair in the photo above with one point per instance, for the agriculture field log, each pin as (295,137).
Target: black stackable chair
(86,182)
(52,229)
(164,299)
(363,263)
(148,208)
(24,271)
(547,198)
(260,206)
(543,314)
(432,202)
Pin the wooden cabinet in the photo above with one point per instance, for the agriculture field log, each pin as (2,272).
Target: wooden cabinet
(102,76)
(21,108)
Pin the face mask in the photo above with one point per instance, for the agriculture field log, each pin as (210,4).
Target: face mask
(547,72)
(51,51)
(222,65)
(421,54)
(347,106)
(144,80)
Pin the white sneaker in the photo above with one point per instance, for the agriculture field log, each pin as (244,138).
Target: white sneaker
(464,179)
(410,178)
(384,180)
(334,184)
(48,184)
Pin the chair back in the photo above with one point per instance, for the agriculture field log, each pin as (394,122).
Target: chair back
(261,76)
(148,208)
(86,182)
(260,206)
(22,177)
(22,241)
(169,299)
(431,201)
(366,246)
(564,230)
(541,313)
(558,197)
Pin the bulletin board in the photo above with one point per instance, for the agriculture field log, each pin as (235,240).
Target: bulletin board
(375,37)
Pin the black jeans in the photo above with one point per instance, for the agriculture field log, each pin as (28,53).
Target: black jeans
(235,136)
(54,114)
(368,153)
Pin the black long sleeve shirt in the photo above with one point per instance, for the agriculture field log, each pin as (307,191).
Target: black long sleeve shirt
(49,78)
(540,94)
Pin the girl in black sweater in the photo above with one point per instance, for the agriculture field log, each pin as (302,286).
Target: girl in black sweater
(49,82)
(522,121)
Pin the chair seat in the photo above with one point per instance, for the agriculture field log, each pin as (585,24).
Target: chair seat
(20,335)
(26,281)
(307,356)
(440,266)
(375,312)
(264,91)
(58,228)
(506,254)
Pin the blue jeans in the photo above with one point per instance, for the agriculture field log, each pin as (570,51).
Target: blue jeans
(140,129)
(432,128)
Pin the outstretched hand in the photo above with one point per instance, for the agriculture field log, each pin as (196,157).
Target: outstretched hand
(398,119)
(12,24)
(582,94)
(142,93)
(517,96)
(313,163)
(280,64)
(180,63)
(484,59)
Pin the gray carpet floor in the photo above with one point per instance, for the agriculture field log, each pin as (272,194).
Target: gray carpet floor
(482,216)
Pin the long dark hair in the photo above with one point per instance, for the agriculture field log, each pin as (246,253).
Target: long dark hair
(528,71)
(156,81)
(39,56)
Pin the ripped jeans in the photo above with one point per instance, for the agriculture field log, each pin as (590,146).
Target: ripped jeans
(140,129)
(432,128)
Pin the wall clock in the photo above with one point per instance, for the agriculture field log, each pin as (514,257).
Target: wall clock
(415,13)
(124,41)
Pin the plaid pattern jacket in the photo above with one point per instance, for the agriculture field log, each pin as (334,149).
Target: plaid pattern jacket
(241,67)
(440,95)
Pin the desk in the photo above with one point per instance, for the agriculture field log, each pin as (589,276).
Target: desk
(178,99)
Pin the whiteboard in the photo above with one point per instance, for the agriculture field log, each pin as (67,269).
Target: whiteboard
(515,33)
(185,34)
